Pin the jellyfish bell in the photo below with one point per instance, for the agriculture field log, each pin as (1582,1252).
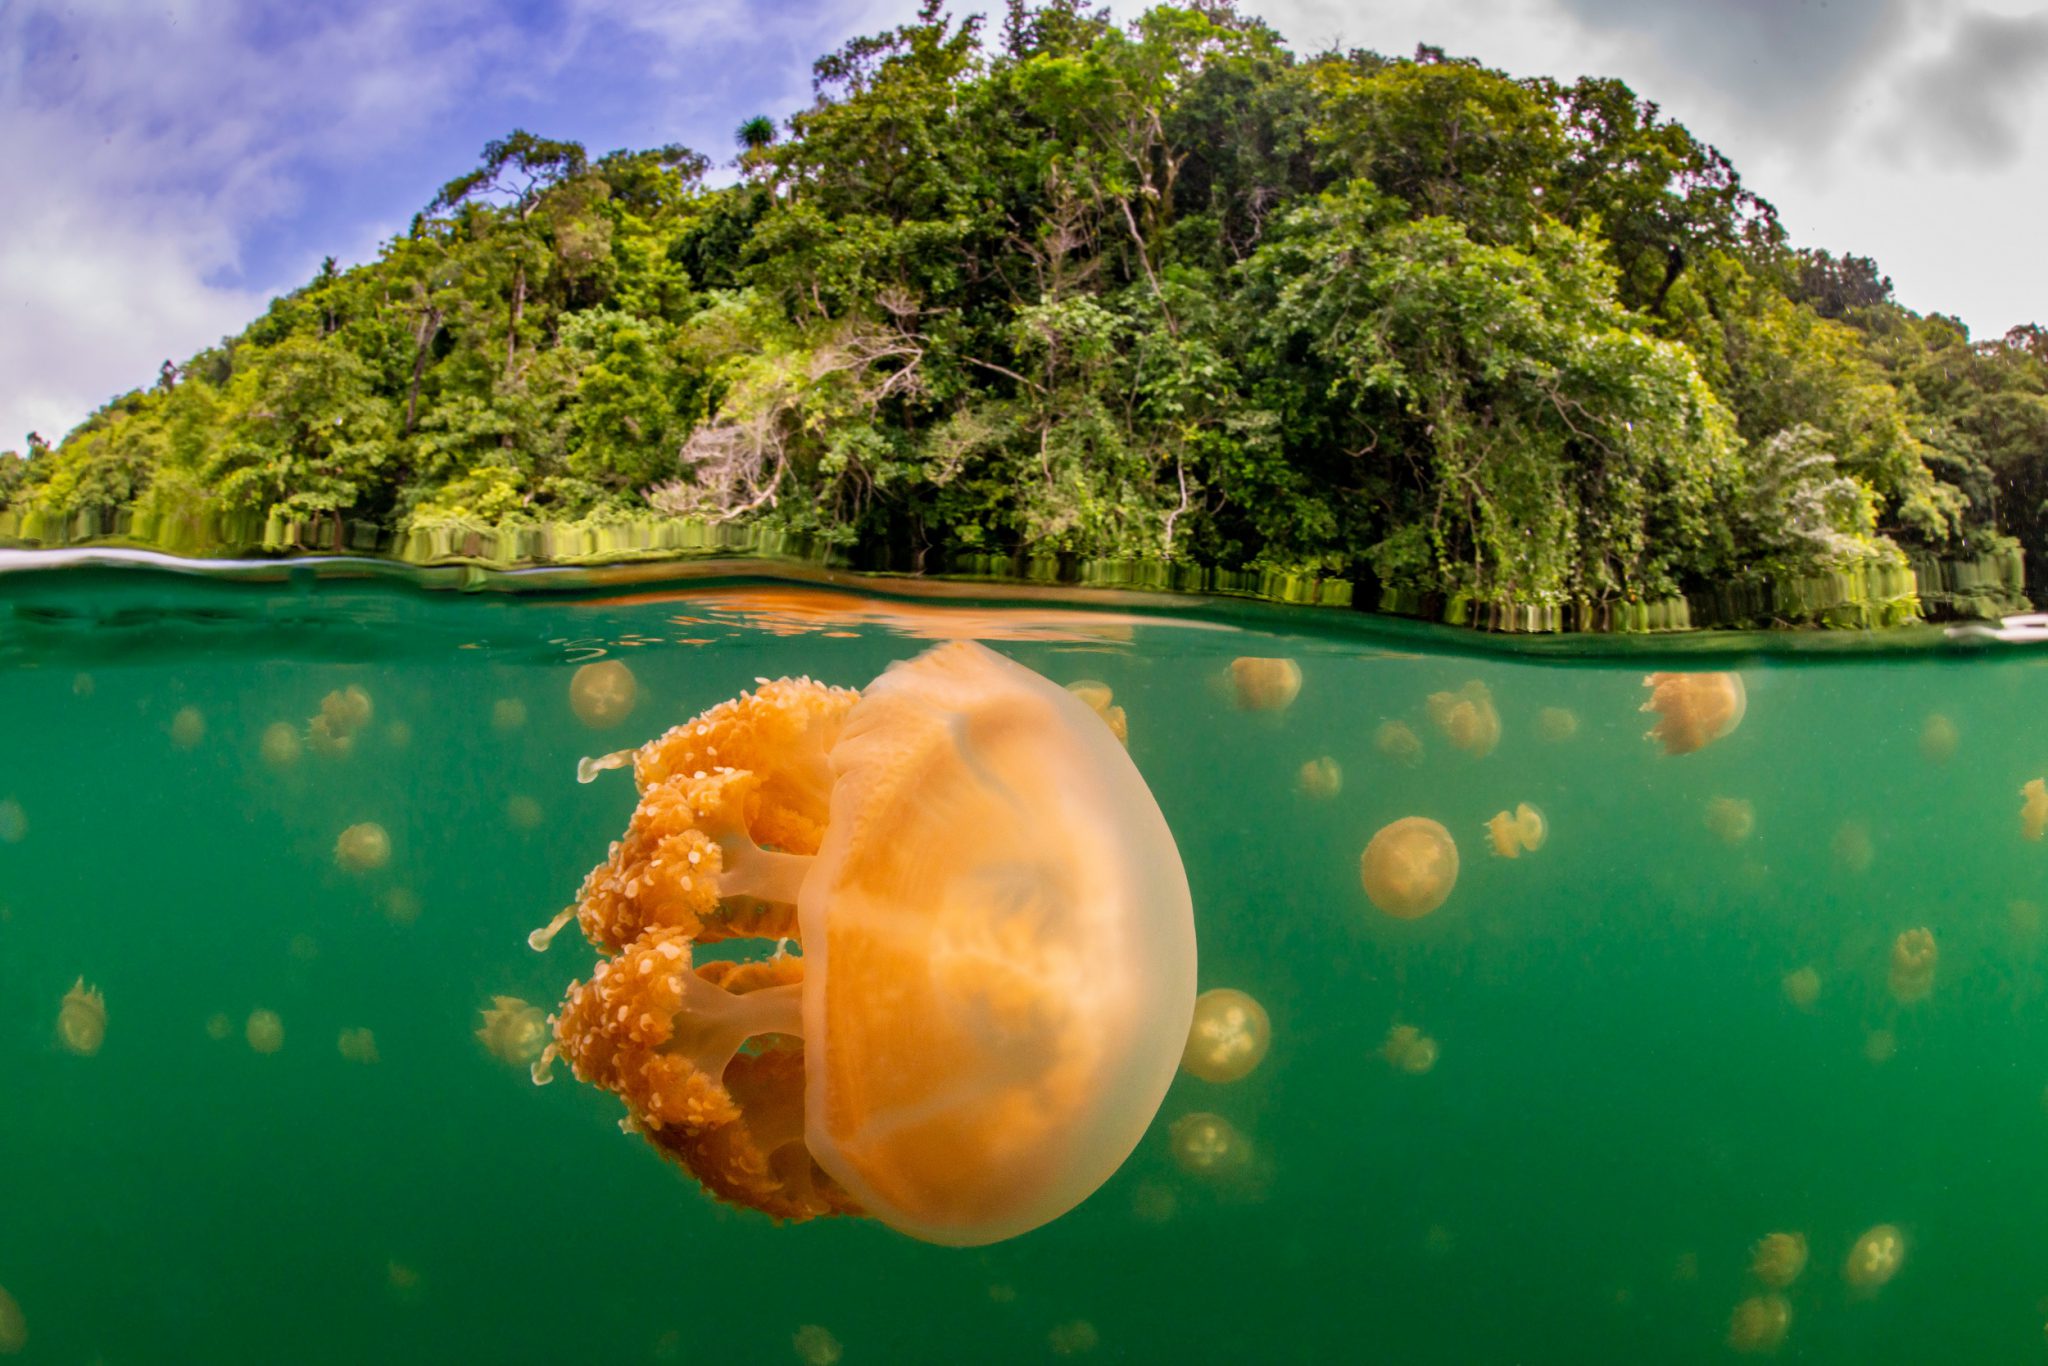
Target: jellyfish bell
(514,1031)
(1467,718)
(1407,1049)
(1320,778)
(188,728)
(1880,1046)
(1802,986)
(1397,740)
(1938,739)
(363,847)
(13,1325)
(264,1031)
(602,693)
(82,1019)
(508,714)
(2034,809)
(280,745)
(1732,819)
(1778,1259)
(1853,848)
(1911,977)
(1693,710)
(1208,1145)
(357,1045)
(1759,1324)
(1514,833)
(1409,867)
(1874,1259)
(1264,684)
(1228,1037)
(998,955)
(1557,724)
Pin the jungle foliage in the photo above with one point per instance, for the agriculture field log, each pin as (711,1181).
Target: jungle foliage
(1166,291)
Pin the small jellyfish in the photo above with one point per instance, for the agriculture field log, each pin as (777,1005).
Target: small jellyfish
(513,1031)
(402,1280)
(13,1325)
(219,1026)
(1074,1338)
(1912,968)
(1320,778)
(347,710)
(1802,986)
(358,1045)
(363,847)
(1875,1259)
(1853,848)
(1693,710)
(1229,1036)
(1521,831)
(1557,724)
(815,1346)
(1880,1046)
(280,745)
(602,694)
(522,812)
(1759,1323)
(398,735)
(507,714)
(1409,867)
(1208,1145)
(188,728)
(1938,738)
(1397,740)
(13,822)
(401,905)
(1153,1202)
(2034,809)
(1408,1049)
(82,1019)
(1778,1259)
(265,1032)
(82,685)
(1264,684)
(303,947)
(1732,819)
(1467,718)
(1103,703)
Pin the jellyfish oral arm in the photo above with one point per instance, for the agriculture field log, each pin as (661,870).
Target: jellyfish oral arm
(748,870)
(714,1023)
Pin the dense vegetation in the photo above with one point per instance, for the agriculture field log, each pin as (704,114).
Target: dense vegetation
(1166,291)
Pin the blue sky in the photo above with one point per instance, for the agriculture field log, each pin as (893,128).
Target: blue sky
(171,166)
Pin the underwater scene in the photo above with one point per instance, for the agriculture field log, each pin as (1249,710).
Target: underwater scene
(1588,1000)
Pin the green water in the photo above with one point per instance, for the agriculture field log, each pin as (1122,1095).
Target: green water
(1625,1099)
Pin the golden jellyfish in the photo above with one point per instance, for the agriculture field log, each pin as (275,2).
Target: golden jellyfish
(1074,1338)
(1320,778)
(1911,978)
(602,694)
(1938,738)
(13,822)
(507,714)
(1875,1259)
(998,952)
(82,685)
(280,744)
(1467,718)
(1853,848)
(82,1019)
(513,1031)
(522,812)
(1778,1259)
(303,947)
(2034,809)
(1208,1145)
(401,905)
(1408,1049)
(1514,833)
(1153,1202)
(358,1045)
(1880,1046)
(188,728)
(403,1281)
(1557,724)
(218,1027)
(1732,819)
(1397,740)
(398,735)
(1693,710)
(1103,703)
(363,847)
(13,1325)
(1264,684)
(1409,867)
(1228,1038)
(815,1346)
(265,1031)
(1802,986)
(1759,1324)
(343,712)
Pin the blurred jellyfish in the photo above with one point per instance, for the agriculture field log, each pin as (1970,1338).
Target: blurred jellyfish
(2023,918)
(602,694)
(1778,1259)
(303,947)
(280,744)
(13,1325)
(815,1346)
(1073,1338)
(403,1281)
(1409,867)
(188,728)
(401,905)
(1802,986)
(1912,967)
(1732,819)
(508,713)
(1228,1037)
(1264,684)
(1408,1049)
(13,822)
(2034,809)
(1938,739)
(1880,1046)
(1513,834)
(82,1019)
(1875,1259)
(513,1031)
(1557,724)
(1320,778)
(265,1032)
(1693,710)
(1467,718)
(1153,1202)
(1002,1293)
(1853,849)
(82,685)
(358,1045)
(218,1027)
(363,847)
(398,735)
(1438,1242)
(1397,741)
(1208,1145)
(1103,703)
(522,812)
(342,713)
(1759,1323)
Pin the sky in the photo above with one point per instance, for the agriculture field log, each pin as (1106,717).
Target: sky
(171,166)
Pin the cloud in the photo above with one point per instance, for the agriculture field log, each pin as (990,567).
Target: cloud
(1969,102)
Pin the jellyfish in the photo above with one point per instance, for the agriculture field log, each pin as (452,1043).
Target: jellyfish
(1778,1259)
(1732,819)
(188,728)
(815,1346)
(358,1045)
(1912,969)
(265,1032)
(13,1325)
(2034,809)
(602,694)
(998,958)
(1802,986)
(1852,847)
(1074,1338)
(1467,718)
(513,1031)
(218,1027)
(522,812)
(1880,1046)
(363,848)
(303,947)
(1409,867)
(342,713)
(1693,710)
(401,905)
(82,685)
(1320,778)
(1153,1202)
(1397,740)
(1208,1145)
(13,822)
(1408,1049)
(508,714)
(82,1019)
(1523,830)
(1264,684)
(1759,1323)
(1938,739)
(1875,1259)
(1228,1038)
(1102,702)
(403,1281)
(280,745)
(1557,724)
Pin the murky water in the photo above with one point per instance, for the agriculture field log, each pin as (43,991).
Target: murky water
(1624,1098)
